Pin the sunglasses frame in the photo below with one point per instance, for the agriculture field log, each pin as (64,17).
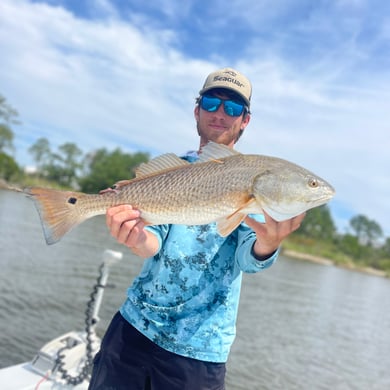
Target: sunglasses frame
(225,107)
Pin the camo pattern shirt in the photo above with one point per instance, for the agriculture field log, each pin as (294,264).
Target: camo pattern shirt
(186,297)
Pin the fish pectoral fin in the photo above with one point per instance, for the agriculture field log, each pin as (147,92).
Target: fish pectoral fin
(226,225)
(159,164)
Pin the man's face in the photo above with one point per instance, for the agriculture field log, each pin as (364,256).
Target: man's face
(218,126)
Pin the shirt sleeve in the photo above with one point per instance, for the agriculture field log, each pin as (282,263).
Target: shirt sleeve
(160,231)
(244,257)
(246,261)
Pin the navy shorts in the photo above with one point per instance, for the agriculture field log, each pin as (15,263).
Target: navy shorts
(128,360)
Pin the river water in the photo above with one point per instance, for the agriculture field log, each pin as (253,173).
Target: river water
(301,325)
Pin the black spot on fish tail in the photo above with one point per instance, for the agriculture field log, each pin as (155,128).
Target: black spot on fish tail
(72,200)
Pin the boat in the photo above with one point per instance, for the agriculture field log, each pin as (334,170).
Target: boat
(66,361)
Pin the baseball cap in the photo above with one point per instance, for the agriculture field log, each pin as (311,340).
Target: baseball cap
(231,79)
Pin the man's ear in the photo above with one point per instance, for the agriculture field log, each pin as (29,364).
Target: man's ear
(246,121)
(196,113)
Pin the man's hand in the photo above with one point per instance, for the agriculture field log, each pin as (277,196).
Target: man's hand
(271,233)
(127,228)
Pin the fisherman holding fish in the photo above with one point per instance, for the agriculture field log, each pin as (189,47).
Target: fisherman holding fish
(177,325)
(188,218)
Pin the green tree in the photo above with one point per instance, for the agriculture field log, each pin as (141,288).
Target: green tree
(8,117)
(367,230)
(70,162)
(41,153)
(386,248)
(349,244)
(8,166)
(106,168)
(62,167)
(318,224)
(6,138)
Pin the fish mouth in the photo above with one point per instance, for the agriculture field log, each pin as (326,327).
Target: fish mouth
(281,213)
(322,199)
(329,194)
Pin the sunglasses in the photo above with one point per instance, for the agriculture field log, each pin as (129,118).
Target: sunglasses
(212,104)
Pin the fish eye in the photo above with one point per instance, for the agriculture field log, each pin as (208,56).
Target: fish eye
(313,183)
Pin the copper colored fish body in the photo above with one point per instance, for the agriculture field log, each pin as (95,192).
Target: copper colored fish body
(223,187)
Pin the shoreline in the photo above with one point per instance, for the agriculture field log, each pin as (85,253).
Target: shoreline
(325,261)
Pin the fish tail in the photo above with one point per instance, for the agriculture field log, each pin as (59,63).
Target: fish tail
(59,211)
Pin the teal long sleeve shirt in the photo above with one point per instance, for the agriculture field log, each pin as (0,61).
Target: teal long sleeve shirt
(186,297)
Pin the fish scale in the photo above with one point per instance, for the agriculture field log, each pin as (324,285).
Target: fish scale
(195,194)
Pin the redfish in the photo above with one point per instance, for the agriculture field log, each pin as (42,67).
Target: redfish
(224,186)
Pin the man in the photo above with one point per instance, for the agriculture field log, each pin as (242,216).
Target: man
(177,325)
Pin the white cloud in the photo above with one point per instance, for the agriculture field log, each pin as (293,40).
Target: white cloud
(106,83)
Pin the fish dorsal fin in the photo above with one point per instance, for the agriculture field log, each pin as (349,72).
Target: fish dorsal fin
(214,151)
(160,163)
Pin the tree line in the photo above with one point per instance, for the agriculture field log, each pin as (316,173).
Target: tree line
(65,166)
(68,167)
(364,245)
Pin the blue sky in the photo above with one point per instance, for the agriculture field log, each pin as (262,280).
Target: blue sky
(125,74)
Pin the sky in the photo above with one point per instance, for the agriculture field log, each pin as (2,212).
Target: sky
(112,73)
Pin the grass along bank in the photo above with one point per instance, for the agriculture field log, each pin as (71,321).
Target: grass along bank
(325,253)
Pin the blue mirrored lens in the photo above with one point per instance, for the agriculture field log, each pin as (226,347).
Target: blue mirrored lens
(212,103)
(233,108)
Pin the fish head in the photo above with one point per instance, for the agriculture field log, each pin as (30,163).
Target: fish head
(285,190)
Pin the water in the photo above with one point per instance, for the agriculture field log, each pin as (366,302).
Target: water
(301,325)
